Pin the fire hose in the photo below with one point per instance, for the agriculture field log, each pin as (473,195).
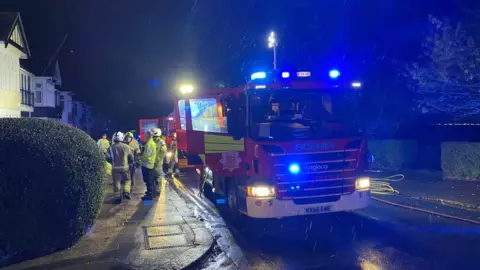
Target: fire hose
(381,186)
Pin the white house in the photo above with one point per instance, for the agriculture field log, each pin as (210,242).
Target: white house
(26,92)
(82,116)
(47,99)
(13,47)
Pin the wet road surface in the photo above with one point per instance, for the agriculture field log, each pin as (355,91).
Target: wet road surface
(379,237)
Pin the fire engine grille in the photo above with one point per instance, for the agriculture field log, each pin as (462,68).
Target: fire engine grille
(323,177)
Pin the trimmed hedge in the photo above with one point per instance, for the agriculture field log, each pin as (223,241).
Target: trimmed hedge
(393,154)
(461,161)
(52,179)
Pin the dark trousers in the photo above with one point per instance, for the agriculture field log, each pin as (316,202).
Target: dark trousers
(165,168)
(133,170)
(148,178)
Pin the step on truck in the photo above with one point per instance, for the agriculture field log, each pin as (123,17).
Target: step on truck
(284,144)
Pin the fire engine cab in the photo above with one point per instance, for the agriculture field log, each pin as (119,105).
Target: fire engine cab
(285,144)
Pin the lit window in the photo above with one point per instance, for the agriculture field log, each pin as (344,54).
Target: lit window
(207,115)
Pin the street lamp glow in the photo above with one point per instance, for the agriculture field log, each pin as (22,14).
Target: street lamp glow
(272,41)
(186,89)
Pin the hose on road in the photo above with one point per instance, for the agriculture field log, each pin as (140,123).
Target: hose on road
(381,186)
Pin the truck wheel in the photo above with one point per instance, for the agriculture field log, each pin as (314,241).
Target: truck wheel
(232,199)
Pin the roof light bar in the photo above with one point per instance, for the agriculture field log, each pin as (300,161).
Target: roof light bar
(258,75)
(304,74)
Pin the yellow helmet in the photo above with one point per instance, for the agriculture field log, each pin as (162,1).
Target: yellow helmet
(129,134)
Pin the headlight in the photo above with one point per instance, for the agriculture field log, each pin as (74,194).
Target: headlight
(362,183)
(169,154)
(261,191)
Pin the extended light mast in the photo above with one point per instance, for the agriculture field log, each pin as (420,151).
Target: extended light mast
(273,43)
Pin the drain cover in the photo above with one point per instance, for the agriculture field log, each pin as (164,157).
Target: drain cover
(163,230)
(167,236)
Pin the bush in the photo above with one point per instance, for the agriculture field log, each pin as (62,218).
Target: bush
(52,180)
(461,161)
(393,154)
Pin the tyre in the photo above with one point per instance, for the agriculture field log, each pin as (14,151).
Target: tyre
(232,197)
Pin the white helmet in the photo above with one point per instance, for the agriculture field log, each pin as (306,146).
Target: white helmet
(156,132)
(118,136)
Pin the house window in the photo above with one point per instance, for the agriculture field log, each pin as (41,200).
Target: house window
(28,84)
(207,115)
(38,96)
(38,85)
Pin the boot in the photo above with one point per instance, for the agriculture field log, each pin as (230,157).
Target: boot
(147,197)
(127,196)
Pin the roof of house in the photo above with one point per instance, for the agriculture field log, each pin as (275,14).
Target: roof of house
(8,21)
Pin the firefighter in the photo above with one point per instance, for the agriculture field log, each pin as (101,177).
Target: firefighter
(135,147)
(174,156)
(161,153)
(147,159)
(103,143)
(121,156)
(166,158)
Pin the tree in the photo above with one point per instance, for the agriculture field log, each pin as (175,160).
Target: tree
(446,78)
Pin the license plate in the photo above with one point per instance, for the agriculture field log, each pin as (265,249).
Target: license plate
(318,209)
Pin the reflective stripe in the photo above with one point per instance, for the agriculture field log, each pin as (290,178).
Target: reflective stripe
(149,151)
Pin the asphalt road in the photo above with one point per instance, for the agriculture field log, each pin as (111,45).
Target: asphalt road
(379,237)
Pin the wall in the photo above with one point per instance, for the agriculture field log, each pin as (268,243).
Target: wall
(9,82)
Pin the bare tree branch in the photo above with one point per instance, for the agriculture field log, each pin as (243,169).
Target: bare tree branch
(446,79)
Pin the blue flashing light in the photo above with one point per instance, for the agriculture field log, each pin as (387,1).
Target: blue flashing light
(258,75)
(285,75)
(221,201)
(334,73)
(294,168)
(154,83)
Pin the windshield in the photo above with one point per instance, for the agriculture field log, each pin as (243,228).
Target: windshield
(303,114)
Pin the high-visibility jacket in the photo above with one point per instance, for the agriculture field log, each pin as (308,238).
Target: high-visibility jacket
(103,144)
(161,153)
(121,157)
(134,146)
(149,154)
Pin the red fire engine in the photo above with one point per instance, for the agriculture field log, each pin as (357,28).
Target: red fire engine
(285,144)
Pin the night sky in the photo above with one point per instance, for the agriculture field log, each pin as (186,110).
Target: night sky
(126,57)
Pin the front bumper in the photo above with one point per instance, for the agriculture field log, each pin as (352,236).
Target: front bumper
(274,208)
